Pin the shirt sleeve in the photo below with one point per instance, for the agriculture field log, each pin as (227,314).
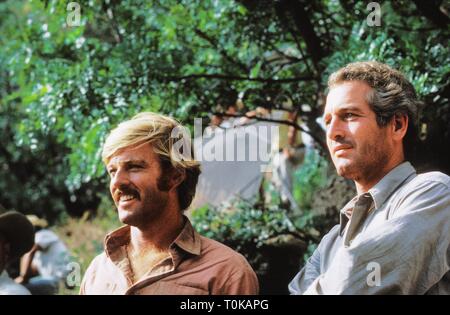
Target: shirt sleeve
(312,269)
(243,282)
(408,254)
(307,274)
(240,280)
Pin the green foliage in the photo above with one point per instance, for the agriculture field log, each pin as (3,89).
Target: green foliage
(307,179)
(310,176)
(85,236)
(243,226)
(63,88)
(242,223)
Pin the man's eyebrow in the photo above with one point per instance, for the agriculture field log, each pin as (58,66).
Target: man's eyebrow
(141,162)
(345,109)
(350,109)
(128,162)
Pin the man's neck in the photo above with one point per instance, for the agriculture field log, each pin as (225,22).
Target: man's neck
(149,245)
(363,185)
(157,235)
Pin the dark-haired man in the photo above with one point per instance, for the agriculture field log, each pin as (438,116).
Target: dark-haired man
(394,236)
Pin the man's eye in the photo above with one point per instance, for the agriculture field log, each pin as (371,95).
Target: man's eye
(111,172)
(349,115)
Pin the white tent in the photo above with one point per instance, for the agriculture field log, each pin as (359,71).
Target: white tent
(233,161)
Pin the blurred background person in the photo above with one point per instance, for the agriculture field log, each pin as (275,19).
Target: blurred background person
(44,268)
(16,238)
(291,154)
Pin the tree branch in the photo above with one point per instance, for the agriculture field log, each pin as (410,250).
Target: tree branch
(306,29)
(239,78)
(221,50)
(279,121)
(285,21)
(433,13)
(114,25)
(281,67)
(282,16)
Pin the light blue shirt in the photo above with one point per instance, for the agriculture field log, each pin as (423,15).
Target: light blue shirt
(9,287)
(397,241)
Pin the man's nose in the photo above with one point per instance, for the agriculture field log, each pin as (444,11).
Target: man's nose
(119,179)
(335,129)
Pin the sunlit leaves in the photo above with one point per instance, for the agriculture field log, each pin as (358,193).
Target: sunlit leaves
(133,55)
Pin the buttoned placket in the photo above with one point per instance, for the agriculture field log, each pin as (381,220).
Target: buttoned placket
(161,270)
(115,246)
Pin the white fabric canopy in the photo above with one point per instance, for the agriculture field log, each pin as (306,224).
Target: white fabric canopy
(221,179)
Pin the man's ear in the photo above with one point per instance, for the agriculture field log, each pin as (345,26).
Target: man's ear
(399,126)
(178,176)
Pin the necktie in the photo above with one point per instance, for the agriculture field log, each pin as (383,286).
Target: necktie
(359,213)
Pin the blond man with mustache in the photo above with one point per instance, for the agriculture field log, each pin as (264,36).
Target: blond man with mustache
(157,251)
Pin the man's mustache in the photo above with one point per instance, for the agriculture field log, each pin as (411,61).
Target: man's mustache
(125,190)
(341,142)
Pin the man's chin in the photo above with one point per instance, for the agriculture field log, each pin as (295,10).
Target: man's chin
(344,169)
(126,217)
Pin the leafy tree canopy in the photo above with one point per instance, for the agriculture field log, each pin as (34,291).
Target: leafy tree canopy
(62,88)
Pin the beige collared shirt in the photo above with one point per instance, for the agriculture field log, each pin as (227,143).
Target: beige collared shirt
(396,240)
(196,266)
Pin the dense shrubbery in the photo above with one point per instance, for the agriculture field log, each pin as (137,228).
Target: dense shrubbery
(243,224)
(308,178)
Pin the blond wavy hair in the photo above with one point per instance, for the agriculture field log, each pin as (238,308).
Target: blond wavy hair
(156,130)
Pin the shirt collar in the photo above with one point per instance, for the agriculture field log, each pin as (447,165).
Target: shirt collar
(188,240)
(344,216)
(389,183)
(381,191)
